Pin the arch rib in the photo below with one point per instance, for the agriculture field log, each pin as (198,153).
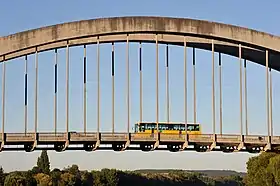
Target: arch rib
(113,29)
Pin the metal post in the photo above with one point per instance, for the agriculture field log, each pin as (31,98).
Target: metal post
(185,89)
(113,89)
(25,96)
(127,72)
(98,88)
(270,90)
(3,98)
(267,93)
(167,86)
(241,103)
(67,88)
(213,88)
(85,90)
(36,92)
(55,92)
(245,98)
(141,84)
(220,86)
(194,88)
(157,78)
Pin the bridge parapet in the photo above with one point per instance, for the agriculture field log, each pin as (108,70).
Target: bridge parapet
(275,140)
(255,139)
(81,136)
(108,136)
(143,137)
(172,137)
(228,138)
(201,138)
(52,137)
(20,137)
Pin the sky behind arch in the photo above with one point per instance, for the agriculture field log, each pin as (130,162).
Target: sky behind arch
(16,16)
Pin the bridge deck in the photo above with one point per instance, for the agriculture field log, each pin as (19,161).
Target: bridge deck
(225,140)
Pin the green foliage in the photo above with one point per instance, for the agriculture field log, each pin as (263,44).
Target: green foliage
(105,177)
(74,170)
(15,179)
(274,168)
(260,169)
(43,179)
(86,178)
(68,179)
(35,170)
(55,175)
(43,162)
(72,176)
(30,180)
(2,176)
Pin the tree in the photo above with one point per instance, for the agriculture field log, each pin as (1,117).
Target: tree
(43,179)
(30,180)
(274,168)
(2,176)
(56,174)
(43,162)
(258,172)
(74,170)
(109,177)
(86,178)
(68,179)
(35,170)
(15,179)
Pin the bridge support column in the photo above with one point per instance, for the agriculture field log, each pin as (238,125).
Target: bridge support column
(3,104)
(268,145)
(214,143)
(97,144)
(185,144)
(156,145)
(65,145)
(2,145)
(34,143)
(241,144)
(30,147)
(127,142)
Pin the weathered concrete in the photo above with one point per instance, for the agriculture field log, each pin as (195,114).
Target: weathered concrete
(56,36)
(225,142)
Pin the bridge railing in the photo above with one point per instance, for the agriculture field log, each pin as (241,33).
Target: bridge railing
(24,137)
(117,136)
(143,137)
(228,138)
(82,136)
(52,137)
(45,137)
(275,140)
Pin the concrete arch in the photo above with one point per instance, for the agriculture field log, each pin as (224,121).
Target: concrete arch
(171,30)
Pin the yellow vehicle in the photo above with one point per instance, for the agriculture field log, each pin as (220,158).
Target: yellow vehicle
(167,128)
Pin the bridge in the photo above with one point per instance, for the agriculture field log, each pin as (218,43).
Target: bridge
(242,43)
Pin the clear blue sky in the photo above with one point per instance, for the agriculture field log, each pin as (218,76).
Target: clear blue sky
(16,16)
